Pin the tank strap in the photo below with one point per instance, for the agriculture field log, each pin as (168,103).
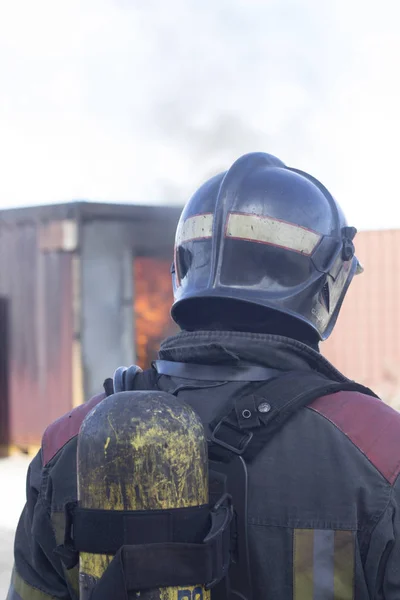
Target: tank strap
(232,478)
(242,371)
(155,548)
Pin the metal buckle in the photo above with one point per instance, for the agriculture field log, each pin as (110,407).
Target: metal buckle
(239,451)
(221,519)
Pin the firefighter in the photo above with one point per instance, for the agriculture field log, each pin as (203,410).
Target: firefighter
(263,260)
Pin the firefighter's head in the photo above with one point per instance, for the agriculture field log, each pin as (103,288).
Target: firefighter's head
(264,246)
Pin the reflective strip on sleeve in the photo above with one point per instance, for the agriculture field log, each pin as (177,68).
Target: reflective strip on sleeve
(344,565)
(266,230)
(21,590)
(303,560)
(323,564)
(12,593)
(198,227)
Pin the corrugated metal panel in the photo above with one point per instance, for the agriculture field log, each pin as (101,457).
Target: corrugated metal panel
(4,399)
(366,342)
(48,305)
(38,288)
(59,335)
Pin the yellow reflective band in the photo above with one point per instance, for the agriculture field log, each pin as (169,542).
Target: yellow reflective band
(27,591)
(303,559)
(344,565)
(323,564)
(266,230)
(197,227)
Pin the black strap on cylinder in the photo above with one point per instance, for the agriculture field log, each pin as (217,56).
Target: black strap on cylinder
(105,531)
(152,548)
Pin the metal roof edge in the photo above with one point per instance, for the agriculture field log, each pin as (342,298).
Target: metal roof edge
(87,210)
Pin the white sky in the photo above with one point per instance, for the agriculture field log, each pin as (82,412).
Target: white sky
(140,100)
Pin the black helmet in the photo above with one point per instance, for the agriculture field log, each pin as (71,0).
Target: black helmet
(269,235)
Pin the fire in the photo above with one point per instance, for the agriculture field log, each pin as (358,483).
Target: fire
(152,304)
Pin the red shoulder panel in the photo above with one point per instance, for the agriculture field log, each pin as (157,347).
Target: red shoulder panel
(65,428)
(370,424)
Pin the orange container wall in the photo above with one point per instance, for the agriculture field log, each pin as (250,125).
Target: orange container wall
(365,344)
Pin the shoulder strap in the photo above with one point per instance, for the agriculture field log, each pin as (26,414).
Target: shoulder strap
(242,371)
(254,419)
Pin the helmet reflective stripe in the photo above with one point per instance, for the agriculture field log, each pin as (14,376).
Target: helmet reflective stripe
(195,228)
(266,230)
(253,228)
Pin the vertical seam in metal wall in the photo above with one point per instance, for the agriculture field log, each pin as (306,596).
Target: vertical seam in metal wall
(40,319)
(76,349)
(127,300)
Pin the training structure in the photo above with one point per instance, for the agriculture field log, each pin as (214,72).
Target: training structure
(84,288)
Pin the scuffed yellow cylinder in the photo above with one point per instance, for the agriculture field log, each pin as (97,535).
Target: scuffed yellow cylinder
(141,451)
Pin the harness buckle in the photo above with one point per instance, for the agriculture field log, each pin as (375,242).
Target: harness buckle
(243,441)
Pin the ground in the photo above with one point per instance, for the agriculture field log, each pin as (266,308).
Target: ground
(12,498)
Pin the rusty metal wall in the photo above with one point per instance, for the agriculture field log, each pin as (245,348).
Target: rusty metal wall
(38,288)
(366,342)
(66,275)
(4,405)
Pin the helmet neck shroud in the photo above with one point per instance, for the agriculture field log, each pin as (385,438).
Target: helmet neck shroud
(225,314)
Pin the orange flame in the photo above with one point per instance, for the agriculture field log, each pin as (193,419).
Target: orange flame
(152,304)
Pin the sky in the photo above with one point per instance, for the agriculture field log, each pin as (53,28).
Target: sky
(139,101)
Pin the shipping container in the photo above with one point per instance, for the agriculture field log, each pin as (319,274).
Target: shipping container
(73,278)
(365,344)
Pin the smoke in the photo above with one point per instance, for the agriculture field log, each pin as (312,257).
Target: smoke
(246,76)
(139,101)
